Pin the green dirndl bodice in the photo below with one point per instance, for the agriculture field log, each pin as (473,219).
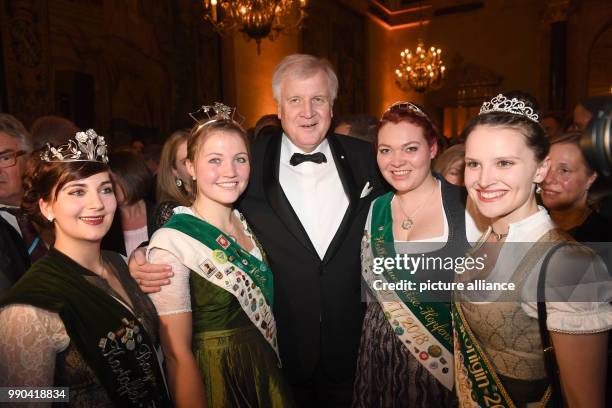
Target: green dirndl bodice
(238,366)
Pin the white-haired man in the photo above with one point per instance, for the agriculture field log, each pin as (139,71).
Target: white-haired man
(307,202)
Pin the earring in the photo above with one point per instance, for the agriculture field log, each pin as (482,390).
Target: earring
(538,189)
(179,182)
(193,178)
(50,218)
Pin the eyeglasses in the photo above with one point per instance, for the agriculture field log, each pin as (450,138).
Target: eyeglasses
(9,158)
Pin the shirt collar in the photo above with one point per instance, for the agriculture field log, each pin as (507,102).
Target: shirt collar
(288,149)
(530,229)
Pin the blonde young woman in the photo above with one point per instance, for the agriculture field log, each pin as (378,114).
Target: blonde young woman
(217,328)
(499,352)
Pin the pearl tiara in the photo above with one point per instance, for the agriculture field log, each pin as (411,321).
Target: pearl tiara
(86,146)
(515,106)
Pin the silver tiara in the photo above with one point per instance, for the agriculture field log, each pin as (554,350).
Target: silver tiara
(212,113)
(86,146)
(515,106)
(406,106)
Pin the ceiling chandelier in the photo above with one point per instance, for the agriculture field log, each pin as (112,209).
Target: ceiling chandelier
(257,19)
(422,70)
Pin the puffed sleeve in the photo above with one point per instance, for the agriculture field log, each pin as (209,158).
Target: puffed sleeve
(30,341)
(578,291)
(175,297)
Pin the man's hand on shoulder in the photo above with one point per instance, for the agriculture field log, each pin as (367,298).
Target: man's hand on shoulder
(150,277)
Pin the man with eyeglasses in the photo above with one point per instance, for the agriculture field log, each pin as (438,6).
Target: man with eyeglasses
(15,250)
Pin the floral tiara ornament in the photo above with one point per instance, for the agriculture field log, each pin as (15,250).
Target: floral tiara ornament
(215,112)
(86,146)
(515,106)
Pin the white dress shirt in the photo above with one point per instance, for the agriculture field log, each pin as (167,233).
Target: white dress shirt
(315,192)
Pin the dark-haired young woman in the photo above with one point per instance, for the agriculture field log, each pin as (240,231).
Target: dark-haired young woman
(76,319)
(405,356)
(499,342)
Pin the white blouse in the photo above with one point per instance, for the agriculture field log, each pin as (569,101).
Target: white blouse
(30,341)
(568,316)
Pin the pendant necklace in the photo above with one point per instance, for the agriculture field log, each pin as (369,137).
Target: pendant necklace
(497,236)
(408,222)
(231,235)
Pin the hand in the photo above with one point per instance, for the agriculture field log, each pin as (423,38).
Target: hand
(150,277)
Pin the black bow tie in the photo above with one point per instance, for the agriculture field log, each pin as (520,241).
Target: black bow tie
(299,158)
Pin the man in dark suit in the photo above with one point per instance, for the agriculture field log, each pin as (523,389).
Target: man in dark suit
(14,258)
(19,241)
(307,201)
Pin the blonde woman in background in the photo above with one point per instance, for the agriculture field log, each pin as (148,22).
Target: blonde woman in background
(174,185)
(450,164)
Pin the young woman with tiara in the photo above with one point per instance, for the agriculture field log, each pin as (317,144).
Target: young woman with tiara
(405,357)
(217,328)
(76,319)
(508,345)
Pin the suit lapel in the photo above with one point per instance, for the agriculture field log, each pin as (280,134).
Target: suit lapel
(350,188)
(276,196)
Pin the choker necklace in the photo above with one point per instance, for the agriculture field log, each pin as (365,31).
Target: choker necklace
(408,222)
(497,236)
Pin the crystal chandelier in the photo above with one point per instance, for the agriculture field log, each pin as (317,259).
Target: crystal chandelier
(257,19)
(420,71)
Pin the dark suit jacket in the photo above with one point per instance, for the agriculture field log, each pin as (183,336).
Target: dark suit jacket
(14,258)
(318,306)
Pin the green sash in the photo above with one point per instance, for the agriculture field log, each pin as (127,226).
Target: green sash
(476,380)
(223,246)
(214,256)
(423,327)
(112,341)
